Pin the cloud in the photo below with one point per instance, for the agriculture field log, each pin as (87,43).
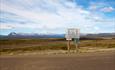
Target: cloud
(107,9)
(49,15)
(5,26)
(17,25)
(101,6)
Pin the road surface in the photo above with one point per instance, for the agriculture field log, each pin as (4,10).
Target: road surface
(82,61)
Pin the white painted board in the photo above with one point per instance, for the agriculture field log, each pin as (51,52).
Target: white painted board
(72,33)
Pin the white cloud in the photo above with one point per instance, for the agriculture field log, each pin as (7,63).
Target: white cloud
(104,7)
(5,26)
(49,14)
(107,9)
(17,25)
(96,5)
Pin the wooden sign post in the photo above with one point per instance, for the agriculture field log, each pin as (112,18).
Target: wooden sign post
(68,45)
(72,33)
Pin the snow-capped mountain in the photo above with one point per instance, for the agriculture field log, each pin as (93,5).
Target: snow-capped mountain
(14,35)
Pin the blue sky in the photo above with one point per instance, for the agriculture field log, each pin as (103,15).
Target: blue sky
(55,16)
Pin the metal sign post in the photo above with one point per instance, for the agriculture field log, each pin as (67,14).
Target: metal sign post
(76,41)
(72,33)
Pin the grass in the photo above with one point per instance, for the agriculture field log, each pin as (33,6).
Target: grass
(18,45)
(98,43)
(20,41)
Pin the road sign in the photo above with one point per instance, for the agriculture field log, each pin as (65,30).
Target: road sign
(72,33)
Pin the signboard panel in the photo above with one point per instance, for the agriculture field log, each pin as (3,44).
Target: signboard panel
(72,33)
(75,34)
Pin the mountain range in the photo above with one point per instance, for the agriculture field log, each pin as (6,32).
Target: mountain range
(14,35)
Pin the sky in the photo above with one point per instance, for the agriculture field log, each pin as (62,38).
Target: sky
(56,16)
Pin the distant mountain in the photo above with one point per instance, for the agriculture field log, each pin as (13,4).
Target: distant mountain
(101,35)
(22,34)
(3,37)
(34,35)
(14,35)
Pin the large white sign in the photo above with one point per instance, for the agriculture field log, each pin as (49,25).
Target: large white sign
(72,33)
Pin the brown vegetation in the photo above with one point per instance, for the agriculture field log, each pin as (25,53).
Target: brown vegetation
(49,44)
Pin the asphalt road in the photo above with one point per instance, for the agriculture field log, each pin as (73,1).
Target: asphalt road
(84,61)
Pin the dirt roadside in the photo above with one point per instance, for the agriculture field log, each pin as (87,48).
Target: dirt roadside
(83,61)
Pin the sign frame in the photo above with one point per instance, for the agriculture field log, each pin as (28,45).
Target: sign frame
(72,33)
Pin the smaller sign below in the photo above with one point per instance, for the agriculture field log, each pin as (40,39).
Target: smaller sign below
(68,38)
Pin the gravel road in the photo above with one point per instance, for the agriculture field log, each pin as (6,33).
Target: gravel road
(82,61)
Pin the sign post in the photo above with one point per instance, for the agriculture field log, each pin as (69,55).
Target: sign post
(72,33)
(76,41)
(68,45)
(68,38)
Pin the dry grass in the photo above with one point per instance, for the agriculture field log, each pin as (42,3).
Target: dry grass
(98,43)
(24,45)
